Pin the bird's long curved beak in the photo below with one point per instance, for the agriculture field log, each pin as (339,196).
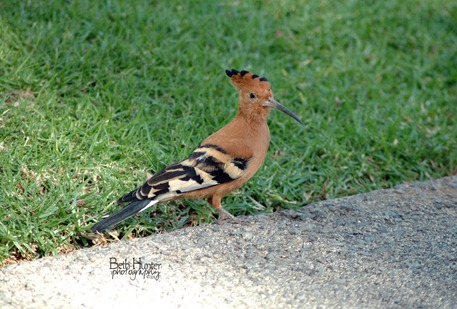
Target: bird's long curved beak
(275,104)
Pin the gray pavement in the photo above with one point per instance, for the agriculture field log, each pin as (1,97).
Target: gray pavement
(392,248)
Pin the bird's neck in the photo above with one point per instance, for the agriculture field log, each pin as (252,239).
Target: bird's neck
(255,115)
(252,123)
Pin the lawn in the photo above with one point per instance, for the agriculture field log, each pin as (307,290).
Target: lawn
(95,94)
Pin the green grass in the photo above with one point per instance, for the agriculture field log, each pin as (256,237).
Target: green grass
(93,94)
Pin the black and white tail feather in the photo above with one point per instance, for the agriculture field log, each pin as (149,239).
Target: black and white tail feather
(209,165)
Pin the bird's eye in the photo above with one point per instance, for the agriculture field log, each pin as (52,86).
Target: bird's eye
(252,96)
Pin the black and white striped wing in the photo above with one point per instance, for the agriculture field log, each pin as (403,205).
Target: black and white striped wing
(207,166)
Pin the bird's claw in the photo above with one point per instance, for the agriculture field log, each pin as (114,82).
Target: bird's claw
(225,216)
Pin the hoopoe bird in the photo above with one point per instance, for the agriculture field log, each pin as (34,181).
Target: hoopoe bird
(223,162)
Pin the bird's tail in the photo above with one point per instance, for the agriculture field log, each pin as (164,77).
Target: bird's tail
(128,211)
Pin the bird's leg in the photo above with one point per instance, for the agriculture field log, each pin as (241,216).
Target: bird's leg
(224,215)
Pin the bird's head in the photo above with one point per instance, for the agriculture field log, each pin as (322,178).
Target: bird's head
(255,95)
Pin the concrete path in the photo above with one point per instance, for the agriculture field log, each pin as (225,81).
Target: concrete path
(386,249)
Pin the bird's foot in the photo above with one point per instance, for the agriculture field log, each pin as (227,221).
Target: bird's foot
(225,216)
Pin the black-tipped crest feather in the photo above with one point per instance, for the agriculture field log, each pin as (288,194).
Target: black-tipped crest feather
(242,73)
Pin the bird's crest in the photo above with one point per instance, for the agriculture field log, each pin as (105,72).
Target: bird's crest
(243,78)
